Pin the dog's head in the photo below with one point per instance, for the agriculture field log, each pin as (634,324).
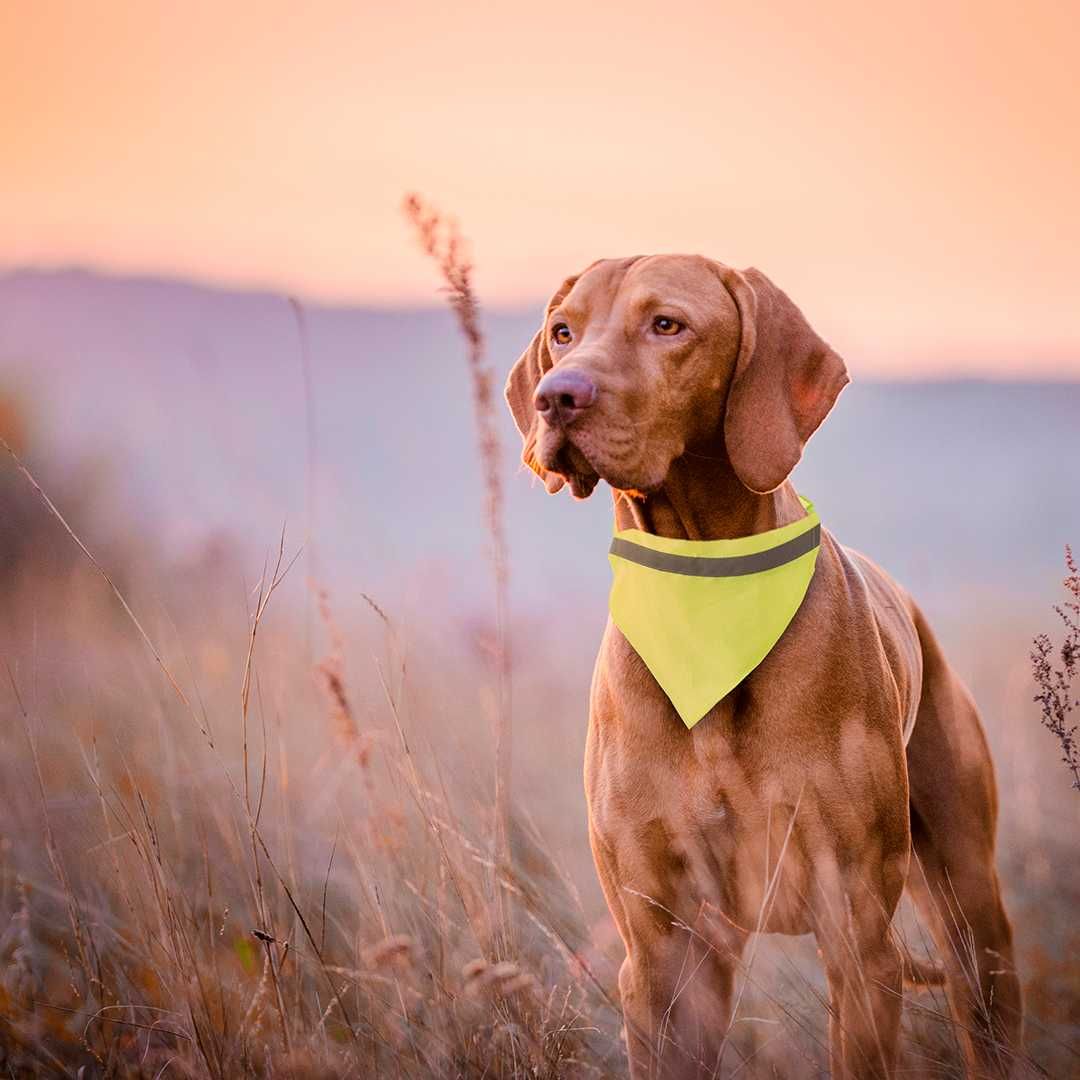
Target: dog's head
(642,359)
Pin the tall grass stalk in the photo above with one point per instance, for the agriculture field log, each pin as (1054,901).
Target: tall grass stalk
(441,241)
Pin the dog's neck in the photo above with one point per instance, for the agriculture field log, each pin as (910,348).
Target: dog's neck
(702,499)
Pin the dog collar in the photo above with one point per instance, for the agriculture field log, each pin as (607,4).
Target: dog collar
(702,614)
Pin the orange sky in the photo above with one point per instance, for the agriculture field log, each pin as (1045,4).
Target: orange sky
(909,175)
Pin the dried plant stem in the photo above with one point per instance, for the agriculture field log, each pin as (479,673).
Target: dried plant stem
(1058,693)
(441,240)
(310,451)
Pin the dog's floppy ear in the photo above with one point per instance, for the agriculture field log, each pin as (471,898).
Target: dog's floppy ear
(521,384)
(786,380)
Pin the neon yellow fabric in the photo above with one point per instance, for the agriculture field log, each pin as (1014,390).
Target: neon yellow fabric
(700,636)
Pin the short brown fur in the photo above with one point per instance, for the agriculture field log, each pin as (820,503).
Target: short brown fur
(793,806)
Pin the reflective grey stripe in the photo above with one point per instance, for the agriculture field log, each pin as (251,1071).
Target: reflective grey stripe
(718,565)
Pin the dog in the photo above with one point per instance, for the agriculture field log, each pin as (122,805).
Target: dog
(794,806)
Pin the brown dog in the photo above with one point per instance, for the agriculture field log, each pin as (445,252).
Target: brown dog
(793,806)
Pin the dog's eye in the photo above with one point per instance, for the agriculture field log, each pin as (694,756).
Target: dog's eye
(560,334)
(662,324)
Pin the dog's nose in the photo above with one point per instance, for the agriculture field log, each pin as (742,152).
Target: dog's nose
(563,396)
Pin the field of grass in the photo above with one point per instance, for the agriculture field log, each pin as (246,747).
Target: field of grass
(248,826)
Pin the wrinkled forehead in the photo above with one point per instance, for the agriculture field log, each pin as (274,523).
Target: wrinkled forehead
(689,284)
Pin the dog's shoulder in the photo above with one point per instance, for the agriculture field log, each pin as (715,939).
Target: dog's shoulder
(893,612)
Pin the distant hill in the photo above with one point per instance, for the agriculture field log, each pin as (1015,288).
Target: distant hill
(196,396)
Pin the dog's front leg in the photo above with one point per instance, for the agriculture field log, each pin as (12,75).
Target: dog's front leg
(676,989)
(865,1001)
(865,975)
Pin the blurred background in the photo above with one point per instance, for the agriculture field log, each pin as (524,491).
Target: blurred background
(216,331)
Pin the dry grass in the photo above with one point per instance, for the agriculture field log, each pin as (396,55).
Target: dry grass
(223,899)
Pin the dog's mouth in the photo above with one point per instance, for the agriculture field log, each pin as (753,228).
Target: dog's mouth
(559,456)
(583,460)
(571,464)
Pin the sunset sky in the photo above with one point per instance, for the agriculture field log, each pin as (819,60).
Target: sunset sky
(910,174)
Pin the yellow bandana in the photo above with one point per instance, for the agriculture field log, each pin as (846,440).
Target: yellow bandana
(703,614)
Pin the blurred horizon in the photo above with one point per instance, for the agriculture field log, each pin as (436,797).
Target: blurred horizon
(932,364)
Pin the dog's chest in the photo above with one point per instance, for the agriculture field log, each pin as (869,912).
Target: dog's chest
(712,834)
(705,814)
